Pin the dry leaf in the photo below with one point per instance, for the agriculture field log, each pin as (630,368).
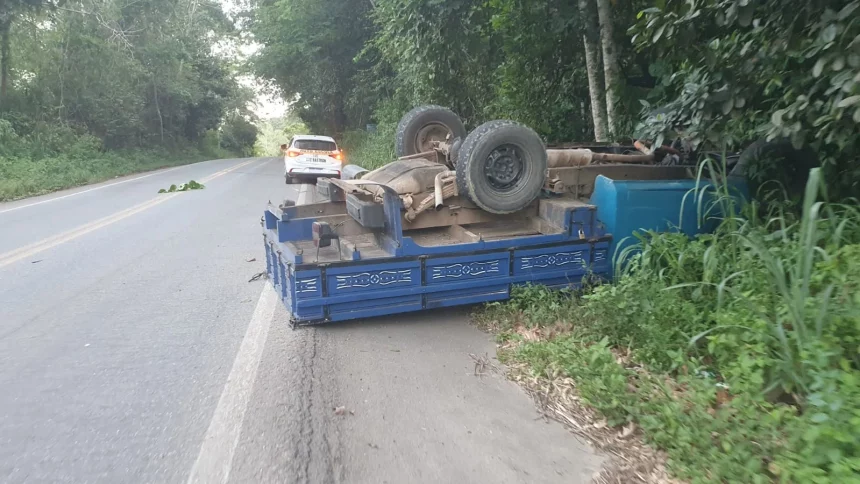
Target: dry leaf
(627,431)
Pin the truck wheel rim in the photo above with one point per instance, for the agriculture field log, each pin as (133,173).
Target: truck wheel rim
(503,167)
(428,134)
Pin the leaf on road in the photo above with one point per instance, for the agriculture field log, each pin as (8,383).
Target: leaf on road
(183,187)
(339,410)
(252,259)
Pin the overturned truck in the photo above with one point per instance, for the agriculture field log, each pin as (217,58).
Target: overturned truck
(461,218)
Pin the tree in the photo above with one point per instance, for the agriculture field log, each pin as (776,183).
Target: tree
(9,9)
(130,73)
(590,39)
(732,71)
(313,61)
(611,69)
(541,79)
(442,52)
(239,134)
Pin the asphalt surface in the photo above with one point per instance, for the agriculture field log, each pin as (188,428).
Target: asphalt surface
(134,349)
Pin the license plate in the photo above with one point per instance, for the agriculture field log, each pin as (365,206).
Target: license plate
(317,160)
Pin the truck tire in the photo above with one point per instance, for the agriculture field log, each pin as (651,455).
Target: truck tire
(792,165)
(501,166)
(418,128)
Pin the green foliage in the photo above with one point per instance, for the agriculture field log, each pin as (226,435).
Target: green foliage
(132,76)
(275,132)
(737,352)
(496,59)
(22,177)
(308,50)
(541,80)
(440,51)
(183,187)
(733,70)
(239,135)
(102,89)
(370,150)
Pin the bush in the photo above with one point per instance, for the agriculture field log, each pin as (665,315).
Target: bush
(370,150)
(55,157)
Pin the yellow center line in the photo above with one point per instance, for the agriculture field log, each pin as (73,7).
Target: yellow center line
(55,240)
(227,170)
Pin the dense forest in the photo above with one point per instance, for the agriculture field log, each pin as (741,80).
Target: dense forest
(92,89)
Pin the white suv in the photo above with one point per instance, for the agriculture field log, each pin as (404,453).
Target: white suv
(311,157)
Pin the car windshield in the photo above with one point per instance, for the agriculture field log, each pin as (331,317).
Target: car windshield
(314,145)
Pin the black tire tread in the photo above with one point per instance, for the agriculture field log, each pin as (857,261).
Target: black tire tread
(465,185)
(400,148)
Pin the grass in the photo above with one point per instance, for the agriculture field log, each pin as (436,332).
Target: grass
(57,158)
(737,353)
(21,177)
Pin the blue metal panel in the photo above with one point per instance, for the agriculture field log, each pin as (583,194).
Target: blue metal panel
(478,268)
(372,278)
(601,258)
(287,284)
(375,307)
(569,258)
(270,220)
(293,230)
(308,284)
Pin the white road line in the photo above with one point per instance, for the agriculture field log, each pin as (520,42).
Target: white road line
(88,190)
(215,460)
(302,194)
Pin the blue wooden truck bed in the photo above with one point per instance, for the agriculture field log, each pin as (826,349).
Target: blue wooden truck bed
(557,241)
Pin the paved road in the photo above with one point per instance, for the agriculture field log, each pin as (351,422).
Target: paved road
(134,349)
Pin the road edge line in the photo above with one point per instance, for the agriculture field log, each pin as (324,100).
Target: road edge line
(215,459)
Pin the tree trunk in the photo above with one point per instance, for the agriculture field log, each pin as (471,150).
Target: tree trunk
(590,39)
(611,71)
(5,26)
(158,110)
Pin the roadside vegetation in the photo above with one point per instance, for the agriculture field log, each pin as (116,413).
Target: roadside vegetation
(736,353)
(275,132)
(94,90)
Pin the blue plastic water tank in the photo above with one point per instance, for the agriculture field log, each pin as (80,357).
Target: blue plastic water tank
(627,206)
